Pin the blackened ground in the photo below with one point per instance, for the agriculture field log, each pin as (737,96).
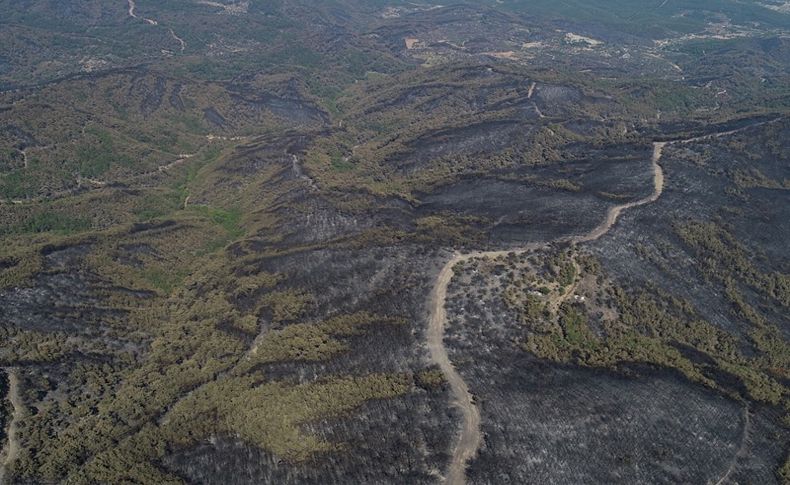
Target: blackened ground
(555,425)
(526,206)
(293,109)
(547,423)
(395,441)
(386,280)
(66,299)
(316,219)
(384,441)
(700,187)
(482,138)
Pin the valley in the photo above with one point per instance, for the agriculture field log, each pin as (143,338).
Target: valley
(380,242)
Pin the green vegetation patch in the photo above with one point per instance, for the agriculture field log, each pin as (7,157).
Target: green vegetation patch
(430,379)
(613,325)
(98,153)
(229,220)
(311,341)
(49,221)
(269,415)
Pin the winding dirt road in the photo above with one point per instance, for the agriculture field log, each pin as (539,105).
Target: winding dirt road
(132,7)
(178,39)
(471,436)
(85,184)
(614,212)
(133,13)
(12,448)
(742,449)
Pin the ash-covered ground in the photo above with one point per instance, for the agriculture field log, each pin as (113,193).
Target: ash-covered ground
(383,441)
(546,422)
(221,226)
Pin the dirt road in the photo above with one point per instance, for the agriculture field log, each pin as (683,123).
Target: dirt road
(133,13)
(471,436)
(132,7)
(89,184)
(182,43)
(11,450)
(742,449)
(614,213)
